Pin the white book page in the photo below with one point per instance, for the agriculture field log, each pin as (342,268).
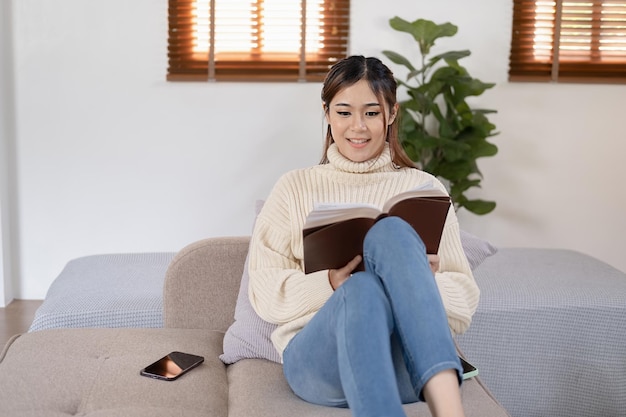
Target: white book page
(424,190)
(327,213)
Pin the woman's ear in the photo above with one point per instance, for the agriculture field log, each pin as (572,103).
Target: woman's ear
(325,110)
(394,113)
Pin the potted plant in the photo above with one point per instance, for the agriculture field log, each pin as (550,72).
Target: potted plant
(438,128)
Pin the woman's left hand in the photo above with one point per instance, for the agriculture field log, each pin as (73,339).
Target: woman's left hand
(336,277)
(433,260)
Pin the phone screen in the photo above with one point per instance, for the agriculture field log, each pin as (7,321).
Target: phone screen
(172,366)
(469,370)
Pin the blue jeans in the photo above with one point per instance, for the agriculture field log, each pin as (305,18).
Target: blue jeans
(381,336)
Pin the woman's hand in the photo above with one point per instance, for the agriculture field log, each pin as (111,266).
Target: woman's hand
(336,277)
(433,260)
(339,276)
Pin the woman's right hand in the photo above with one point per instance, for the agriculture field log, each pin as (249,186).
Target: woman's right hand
(337,277)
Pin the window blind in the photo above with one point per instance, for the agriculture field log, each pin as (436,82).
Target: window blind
(568,40)
(273,40)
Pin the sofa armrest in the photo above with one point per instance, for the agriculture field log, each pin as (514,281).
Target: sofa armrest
(202,283)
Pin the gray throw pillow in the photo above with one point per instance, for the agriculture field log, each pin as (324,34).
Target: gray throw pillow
(476,249)
(249,336)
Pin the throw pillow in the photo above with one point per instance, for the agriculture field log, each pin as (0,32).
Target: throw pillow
(476,249)
(249,336)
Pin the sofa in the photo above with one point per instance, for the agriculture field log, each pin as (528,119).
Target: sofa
(95,371)
(548,338)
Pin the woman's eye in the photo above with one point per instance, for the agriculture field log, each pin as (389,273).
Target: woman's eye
(372,113)
(343,113)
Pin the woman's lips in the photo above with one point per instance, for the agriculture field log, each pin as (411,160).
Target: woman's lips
(358,142)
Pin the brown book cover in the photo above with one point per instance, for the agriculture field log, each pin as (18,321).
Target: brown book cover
(332,237)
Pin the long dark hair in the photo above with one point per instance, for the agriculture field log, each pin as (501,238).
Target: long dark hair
(349,71)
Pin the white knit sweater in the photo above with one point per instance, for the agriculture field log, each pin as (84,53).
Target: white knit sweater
(279,290)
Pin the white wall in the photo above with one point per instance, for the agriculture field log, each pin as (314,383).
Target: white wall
(112,158)
(5,293)
(8,245)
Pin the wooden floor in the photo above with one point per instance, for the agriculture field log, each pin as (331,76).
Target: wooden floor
(16,318)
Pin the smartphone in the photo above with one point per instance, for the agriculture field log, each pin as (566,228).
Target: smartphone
(172,366)
(469,370)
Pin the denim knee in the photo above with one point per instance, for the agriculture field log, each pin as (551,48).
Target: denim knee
(394,232)
(364,288)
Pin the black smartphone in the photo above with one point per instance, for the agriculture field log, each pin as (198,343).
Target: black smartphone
(172,366)
(469,370)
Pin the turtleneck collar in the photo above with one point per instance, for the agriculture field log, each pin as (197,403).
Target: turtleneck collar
(341,163)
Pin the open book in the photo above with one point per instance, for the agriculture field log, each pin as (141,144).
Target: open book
(333,233)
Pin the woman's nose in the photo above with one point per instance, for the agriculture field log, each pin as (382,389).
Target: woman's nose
(358,124)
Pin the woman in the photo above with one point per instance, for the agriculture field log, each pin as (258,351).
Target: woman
(370,340)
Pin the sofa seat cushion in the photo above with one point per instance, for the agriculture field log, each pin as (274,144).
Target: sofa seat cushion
(258,388)
(95,372)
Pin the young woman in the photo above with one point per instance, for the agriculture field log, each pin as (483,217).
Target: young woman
(368,340)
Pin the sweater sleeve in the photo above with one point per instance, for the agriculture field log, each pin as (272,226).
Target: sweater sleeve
(279,290)
(458,289)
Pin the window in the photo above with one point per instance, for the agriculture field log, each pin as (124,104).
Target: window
(239,40)
(569,40)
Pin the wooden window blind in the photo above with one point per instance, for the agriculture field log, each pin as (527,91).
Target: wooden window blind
(271,40)
(569,41)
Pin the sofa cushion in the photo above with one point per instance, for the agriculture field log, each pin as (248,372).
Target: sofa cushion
(476,248)
(249,337)
(110,290)
(258,388)
(95,372)
(549,334)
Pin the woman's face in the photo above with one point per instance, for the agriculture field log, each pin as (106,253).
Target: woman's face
(357,122)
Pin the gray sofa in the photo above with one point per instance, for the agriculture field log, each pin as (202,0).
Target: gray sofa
(95,371)
(548,338)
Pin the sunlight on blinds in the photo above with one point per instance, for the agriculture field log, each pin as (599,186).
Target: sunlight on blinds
(268,26)
(544,30)
(589,30)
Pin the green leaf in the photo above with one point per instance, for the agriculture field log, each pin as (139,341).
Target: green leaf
(484,149)
(396,58)
(415,73)
(463,185)
(433,88)
(447,129)
(404,84)
(446,75)
(480,207)
(425,32)
(457,170)
(451,56)
(465,87)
